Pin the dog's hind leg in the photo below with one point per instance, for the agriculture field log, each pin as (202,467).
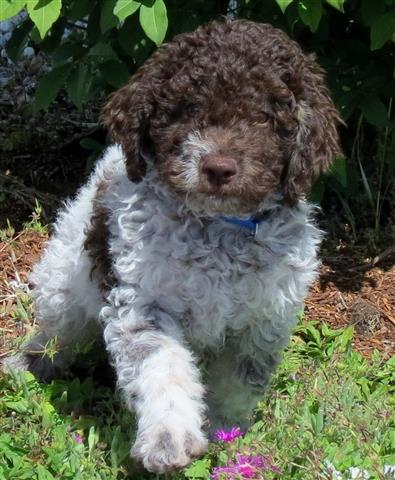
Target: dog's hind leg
(66,320)
(230,399)
(239,376)
(67,299)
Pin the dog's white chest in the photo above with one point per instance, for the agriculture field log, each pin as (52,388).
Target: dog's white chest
(208,275)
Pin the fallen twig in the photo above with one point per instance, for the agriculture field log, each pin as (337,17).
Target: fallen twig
(366,266)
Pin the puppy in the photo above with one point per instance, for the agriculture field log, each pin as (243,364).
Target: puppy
(192,241)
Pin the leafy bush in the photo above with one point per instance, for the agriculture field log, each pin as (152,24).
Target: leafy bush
(94,45)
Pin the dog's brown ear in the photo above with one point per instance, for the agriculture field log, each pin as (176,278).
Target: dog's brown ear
(126,116)
(317,140)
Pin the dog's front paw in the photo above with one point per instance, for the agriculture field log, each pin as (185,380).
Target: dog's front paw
(165,448)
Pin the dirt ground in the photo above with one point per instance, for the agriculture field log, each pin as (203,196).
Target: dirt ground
(351,290)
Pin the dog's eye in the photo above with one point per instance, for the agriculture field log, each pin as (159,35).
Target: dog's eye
(285,77)
(191,109)
(263,117)
(285,131)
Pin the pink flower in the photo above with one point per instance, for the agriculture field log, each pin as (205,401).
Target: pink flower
(246,471)
(245,466)
(228,436)
(78,438)
(225,473)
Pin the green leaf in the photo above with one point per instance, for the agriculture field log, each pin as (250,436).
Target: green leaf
(382,30)
(48,411)
(93,438)
(153,20)
(18,40)
(35,35)
(107,19)
(9,8)
(78,84)
(338,4)
(339,171)
(93,31)
(52,41)
(114,73)
(317,192)
(283,4)
(114,446)
(43,473)
(20,406)
(366,185)
(317,421)
(310,11)
(44,13)
(67,51)
(314,333)
(50,85)
(133,40)
(375,111)
(345,338)
(119,447)
(199,469)
(103,51)
(80,9)
(9,449)
(370,11)
(124,8)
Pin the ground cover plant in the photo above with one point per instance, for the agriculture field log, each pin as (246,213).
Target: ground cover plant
(328,410)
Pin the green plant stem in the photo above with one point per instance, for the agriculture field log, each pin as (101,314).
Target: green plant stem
(379,202)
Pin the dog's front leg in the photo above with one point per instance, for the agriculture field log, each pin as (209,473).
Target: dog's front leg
(160,382)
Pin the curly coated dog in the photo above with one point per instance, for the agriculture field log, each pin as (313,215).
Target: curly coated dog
(192,242)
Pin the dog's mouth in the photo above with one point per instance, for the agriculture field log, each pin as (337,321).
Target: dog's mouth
(218,191)
(214,203)
(204,198)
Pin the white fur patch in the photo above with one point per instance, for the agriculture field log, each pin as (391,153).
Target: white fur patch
(192,151)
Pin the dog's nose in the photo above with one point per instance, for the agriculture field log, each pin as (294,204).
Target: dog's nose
(219,169)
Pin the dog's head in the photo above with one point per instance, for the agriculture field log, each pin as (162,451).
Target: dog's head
(227,114)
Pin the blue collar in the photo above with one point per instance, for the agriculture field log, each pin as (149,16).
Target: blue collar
(251,224)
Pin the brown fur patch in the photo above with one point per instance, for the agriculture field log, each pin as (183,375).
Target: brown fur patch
(97,240)
(248,87)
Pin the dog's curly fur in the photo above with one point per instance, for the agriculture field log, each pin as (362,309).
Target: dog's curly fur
(154,258)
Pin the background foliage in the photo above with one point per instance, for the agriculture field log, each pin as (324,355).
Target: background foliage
(94,46)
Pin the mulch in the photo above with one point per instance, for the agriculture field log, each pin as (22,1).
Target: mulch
(359,291)
(17,257)
(352,289)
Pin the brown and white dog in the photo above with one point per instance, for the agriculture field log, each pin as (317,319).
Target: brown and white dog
(192,239)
